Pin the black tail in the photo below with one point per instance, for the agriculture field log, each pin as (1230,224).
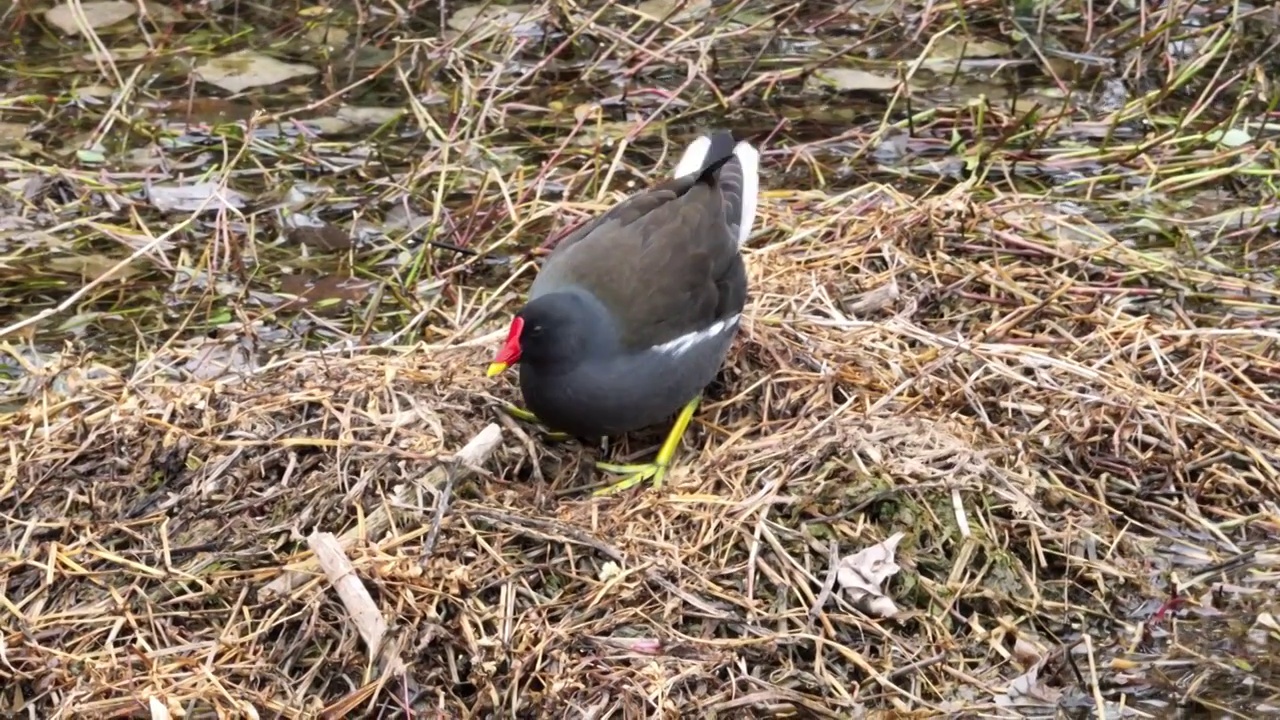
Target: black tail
(720,152)
(707,160)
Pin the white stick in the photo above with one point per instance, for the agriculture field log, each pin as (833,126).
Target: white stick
(355,598)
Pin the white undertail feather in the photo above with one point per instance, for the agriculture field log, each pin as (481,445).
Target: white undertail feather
(691,161)
(749,157)
(694,159)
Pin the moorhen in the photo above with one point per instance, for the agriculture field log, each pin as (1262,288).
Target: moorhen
(632,315)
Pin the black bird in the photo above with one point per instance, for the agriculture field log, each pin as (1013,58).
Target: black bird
(631,316)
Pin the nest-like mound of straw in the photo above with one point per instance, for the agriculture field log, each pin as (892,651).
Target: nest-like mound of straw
(1048,451)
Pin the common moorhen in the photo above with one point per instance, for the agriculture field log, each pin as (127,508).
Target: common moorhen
(632,314)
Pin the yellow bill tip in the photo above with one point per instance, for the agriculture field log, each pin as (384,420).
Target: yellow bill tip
(495,368)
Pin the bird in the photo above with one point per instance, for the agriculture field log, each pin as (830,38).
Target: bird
(632,315)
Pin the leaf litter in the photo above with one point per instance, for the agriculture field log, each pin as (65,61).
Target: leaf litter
(246,69)
(76,17)
(864,573)
(998,437)
(199,196)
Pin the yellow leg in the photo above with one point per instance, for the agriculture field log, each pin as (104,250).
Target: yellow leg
(656,469)
(529,417)
(520,414)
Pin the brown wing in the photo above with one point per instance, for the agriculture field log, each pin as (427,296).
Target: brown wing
(663,261)
(626,212)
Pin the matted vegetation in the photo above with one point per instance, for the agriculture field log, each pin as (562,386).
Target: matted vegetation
(1013,297)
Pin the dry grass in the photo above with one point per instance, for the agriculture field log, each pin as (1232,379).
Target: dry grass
(1077,433)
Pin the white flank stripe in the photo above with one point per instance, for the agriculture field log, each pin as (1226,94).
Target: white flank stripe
(688,341)
(693,156)
(749,157)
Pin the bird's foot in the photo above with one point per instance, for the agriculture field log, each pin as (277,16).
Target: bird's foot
(635,474)
(656,470)
(526,416)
